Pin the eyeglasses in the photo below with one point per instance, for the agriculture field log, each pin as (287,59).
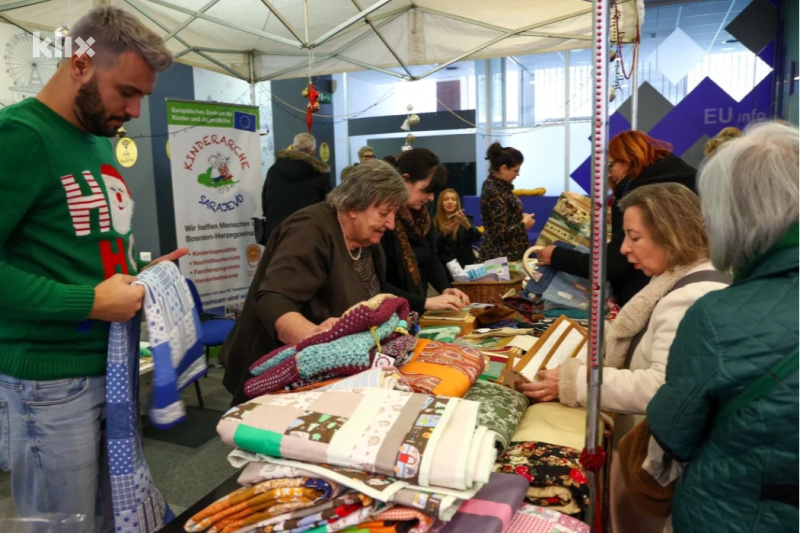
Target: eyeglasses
(368,156)
(611,165)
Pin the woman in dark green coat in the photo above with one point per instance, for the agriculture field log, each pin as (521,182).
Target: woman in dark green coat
(741,473)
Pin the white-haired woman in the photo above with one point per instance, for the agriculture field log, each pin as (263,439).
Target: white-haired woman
(318,263)
(741,473)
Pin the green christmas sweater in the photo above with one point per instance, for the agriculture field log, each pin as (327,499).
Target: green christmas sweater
(65,226)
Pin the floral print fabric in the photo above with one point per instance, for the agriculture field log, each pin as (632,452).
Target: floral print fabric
(555,476)
(501,409)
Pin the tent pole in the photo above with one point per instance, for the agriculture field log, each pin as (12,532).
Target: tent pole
(635,94)
(592,452)
(252,79)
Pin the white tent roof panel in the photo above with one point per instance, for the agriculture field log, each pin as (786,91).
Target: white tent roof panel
(344,35)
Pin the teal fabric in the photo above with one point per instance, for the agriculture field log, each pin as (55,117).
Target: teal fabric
(726,341)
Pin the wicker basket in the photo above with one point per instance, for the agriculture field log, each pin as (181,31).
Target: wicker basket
(486,291)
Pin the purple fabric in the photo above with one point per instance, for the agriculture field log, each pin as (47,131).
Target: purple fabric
(508,489)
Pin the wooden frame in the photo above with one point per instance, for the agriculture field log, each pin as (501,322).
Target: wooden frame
(565,338)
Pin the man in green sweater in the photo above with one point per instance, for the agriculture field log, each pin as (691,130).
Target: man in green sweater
(67,264)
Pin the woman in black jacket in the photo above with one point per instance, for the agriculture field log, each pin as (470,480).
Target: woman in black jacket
(634,160)
(455,230)
(411,258)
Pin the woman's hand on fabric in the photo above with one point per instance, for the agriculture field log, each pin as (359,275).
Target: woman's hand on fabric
(460,294)
(528,221)
(544,390)
(444,302)
(545,255)
(327,324)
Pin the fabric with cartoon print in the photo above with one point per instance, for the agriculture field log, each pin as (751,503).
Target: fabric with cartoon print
(378,325)
(554,473)
(417,438)
(270,498)
(501,409)
(343,512)
(442,368)
(435,502)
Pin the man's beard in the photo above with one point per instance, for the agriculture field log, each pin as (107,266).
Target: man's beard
(91,112)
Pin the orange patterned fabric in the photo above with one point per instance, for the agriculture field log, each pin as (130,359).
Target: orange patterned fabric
(442,368)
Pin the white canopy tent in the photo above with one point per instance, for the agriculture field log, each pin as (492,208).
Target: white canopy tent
(258,40)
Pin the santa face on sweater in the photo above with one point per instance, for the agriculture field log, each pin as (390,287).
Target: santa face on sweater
(119,199)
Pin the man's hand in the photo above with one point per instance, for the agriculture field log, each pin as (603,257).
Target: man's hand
(172,256)
(545,255)
(116,300)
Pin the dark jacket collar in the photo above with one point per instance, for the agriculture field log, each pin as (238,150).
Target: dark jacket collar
(781,257)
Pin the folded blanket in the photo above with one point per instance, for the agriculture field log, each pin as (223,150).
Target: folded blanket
(436,502)
(430,441)
(268,498)
(553,472)
(173,328)
(376,327)
(440,333)
(501,409)
(491,509)
(441,368)
(397,519)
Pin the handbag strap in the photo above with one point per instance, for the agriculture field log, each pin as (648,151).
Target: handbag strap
(760,387)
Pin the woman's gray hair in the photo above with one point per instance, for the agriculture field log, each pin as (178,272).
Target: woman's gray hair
(371,183)
(304,142)
(115,31)
(749,193)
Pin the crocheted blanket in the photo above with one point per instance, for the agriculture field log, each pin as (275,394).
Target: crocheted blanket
(426,440)
(375,328)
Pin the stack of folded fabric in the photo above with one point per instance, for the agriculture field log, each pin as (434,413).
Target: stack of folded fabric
(442,368)
(362,459)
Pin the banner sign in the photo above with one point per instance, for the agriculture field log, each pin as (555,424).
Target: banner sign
(216,185)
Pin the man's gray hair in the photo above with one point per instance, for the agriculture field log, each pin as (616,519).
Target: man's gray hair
(372,182)
(116,31)
(364,149)
(304,142)
(749,192)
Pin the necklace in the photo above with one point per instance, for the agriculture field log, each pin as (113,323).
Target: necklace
(346,247)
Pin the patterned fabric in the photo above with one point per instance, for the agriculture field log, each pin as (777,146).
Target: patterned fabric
(437,502)
(412,226)
(366,272)
(252,504)
(501,212)
(138,506)
(501,409)
(553,472)
(173,327)
(347,348)
(405,514)
(442,368)
(413,437)
(535,519)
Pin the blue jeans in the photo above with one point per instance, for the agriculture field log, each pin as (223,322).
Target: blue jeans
(52,439)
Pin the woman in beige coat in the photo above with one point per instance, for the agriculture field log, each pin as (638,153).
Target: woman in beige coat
(665,238)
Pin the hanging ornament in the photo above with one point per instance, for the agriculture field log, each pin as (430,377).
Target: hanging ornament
(410,138)
(313,104)
(413,120)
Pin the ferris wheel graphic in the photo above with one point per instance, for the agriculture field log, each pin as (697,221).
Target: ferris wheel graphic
(28,73)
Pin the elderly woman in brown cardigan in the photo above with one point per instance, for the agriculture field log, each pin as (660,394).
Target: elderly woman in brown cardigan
(318,263)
